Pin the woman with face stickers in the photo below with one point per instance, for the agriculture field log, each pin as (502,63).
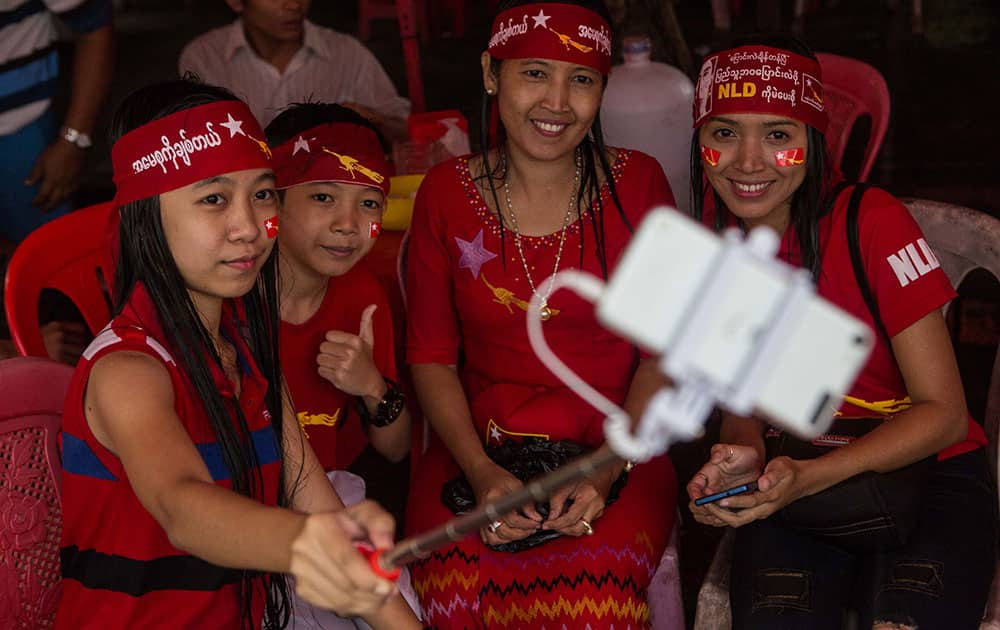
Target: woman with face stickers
(547,195)
(759,159)
(188,487)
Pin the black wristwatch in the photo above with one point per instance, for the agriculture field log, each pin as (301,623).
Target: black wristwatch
(388,408)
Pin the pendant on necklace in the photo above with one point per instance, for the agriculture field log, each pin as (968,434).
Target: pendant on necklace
(545,312)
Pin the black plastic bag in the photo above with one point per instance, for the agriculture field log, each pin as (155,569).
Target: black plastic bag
(527,459)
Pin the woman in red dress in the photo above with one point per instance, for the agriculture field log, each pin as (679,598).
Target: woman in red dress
(487,231)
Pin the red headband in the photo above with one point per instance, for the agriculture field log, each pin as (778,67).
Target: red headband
(334,152)
(563,32)
(187,147)
(760,80)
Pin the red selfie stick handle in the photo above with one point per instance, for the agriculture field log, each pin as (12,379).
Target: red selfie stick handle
(374,557)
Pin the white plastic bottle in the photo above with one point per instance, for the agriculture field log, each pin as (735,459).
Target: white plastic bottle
(647,106)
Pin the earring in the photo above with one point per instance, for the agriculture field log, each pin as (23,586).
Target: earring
(490,91)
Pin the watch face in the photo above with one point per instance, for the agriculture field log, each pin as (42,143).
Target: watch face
(78,138)
(389,408)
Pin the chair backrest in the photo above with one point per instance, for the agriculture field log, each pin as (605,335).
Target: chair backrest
(32,390)
(853,89)
(963,240)
(408,17)
(69,254)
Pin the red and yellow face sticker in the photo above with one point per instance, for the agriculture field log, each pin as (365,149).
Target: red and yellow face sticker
(271,226)
(710,155)
(374,229)
(790,157)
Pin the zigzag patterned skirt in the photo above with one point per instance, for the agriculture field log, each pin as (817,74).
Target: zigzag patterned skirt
(597,581)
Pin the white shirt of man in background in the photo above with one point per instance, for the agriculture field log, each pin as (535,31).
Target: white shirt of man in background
(272,56)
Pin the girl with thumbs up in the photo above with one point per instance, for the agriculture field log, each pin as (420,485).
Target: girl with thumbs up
(336,340)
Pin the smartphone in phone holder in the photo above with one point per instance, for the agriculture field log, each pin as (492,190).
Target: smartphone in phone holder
(733,326)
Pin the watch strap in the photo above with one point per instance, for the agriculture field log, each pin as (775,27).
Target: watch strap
(388,409)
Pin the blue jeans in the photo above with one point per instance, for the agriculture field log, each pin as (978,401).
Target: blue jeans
(784,579)
(18,153)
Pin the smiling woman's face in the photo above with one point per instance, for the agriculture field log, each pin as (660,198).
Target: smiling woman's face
(759,163)
(547,106)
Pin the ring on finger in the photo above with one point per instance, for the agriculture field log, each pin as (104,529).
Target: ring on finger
(494,526)
(731,452)
(587,527)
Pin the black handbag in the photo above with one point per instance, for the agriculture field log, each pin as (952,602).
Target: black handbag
(867,512)
(870,511)
(525,459)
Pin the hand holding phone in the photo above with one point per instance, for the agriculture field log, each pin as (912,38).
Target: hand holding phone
(712,498)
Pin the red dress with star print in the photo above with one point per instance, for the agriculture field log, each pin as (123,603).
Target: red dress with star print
(466,300)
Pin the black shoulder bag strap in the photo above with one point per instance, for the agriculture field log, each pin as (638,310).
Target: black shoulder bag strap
(854,246)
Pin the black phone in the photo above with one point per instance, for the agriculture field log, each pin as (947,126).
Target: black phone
(712,498)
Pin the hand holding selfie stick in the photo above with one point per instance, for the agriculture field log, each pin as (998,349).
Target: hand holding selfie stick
(733,326)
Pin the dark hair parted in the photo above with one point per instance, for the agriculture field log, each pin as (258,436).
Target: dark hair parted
(299,117)
(592,152)
(810,201)
(145,257)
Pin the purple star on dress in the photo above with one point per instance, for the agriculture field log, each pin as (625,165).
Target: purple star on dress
(474,255)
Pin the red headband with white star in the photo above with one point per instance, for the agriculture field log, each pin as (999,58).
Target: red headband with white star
(332,152)
(760,80)
(563,32)
(187,147)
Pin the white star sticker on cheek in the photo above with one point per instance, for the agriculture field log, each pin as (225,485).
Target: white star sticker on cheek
(541,19)
(234,126)
(301,145)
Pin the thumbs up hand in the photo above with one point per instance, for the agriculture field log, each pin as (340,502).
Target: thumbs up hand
(346,360)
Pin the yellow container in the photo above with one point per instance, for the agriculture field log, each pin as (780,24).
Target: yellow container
(399,208)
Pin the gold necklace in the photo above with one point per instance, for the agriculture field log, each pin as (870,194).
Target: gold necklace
(545,311)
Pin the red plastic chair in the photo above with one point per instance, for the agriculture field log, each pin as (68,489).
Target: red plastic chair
(69,254)
(369,10)
(412,17)
(457,9)
(852,89)
(32,390)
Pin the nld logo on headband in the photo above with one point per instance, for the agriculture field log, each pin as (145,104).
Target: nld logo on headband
(552,31)
(186,147)
(332,152)
(759,79)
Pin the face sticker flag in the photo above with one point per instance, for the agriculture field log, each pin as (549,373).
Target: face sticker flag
(374,229)
(789,157)
(711,156)
(271,225)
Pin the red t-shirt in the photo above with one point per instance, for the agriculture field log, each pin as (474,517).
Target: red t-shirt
(119,568)
(907,282)
(329,416)
(468,292)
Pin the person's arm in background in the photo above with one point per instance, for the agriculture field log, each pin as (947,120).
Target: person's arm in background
(376,98)
(57,170)
(394,128)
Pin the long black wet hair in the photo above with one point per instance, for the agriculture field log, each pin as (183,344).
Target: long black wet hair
(145,257)
(810,201)
(592,152)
